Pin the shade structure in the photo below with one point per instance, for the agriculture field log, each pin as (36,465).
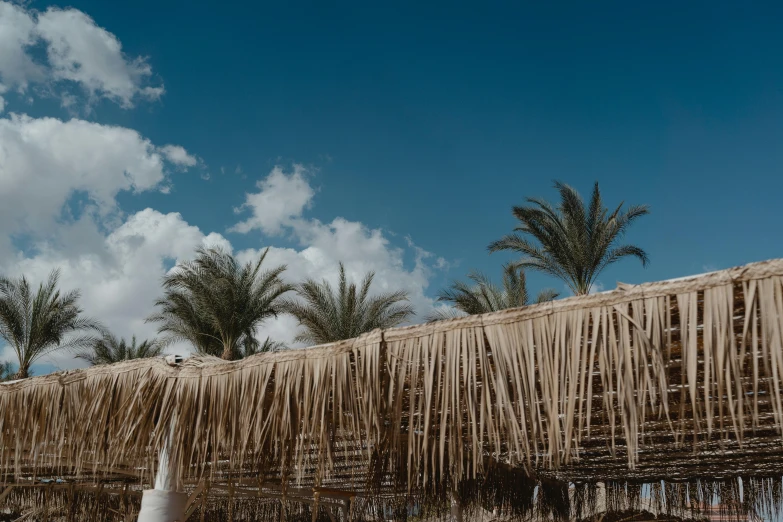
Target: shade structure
(669,391)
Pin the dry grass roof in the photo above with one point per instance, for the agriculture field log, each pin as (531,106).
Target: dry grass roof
(676,383)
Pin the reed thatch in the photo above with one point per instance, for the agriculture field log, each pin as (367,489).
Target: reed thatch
(667,390)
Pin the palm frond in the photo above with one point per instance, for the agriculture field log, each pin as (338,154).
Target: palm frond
(547,295)
(253,347)
(444,313)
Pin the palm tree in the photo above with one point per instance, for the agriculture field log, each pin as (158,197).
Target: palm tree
(38,323)
(574,243)
(109,349)
(327,315)
(216,303)
(255,347)
(6,371)
(483,296)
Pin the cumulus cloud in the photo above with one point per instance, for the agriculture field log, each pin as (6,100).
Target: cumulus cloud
(282,197)
(179,156)
(17,35)
(78,52)
(46,161)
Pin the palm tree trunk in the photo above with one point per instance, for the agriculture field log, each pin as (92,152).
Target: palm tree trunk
(228,353)
(23,373)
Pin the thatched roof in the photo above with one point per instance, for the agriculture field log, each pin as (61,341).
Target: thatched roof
(677,381)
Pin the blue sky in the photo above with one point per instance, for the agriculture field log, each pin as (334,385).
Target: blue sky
(409,122)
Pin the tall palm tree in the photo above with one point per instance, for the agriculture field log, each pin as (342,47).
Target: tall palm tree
(329,315)
(6,371)
(483,296)
(216,303)
(36,323)
(572,242)
(109,349)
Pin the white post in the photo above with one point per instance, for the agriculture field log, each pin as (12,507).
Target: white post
(456,509)
(165,503)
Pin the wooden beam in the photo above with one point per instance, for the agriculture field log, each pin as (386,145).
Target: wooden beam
(296,498)
(332,492)
(345,507)
(190,507)
(336,492)
(280,496)
(5,493)
(117,471)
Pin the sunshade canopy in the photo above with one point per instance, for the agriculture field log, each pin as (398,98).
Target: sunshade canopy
(675,384)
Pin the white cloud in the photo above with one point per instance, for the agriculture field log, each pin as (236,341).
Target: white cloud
(597,287)
(17,28)
(179,156)
(78,52)
(282,198)
(45,161)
